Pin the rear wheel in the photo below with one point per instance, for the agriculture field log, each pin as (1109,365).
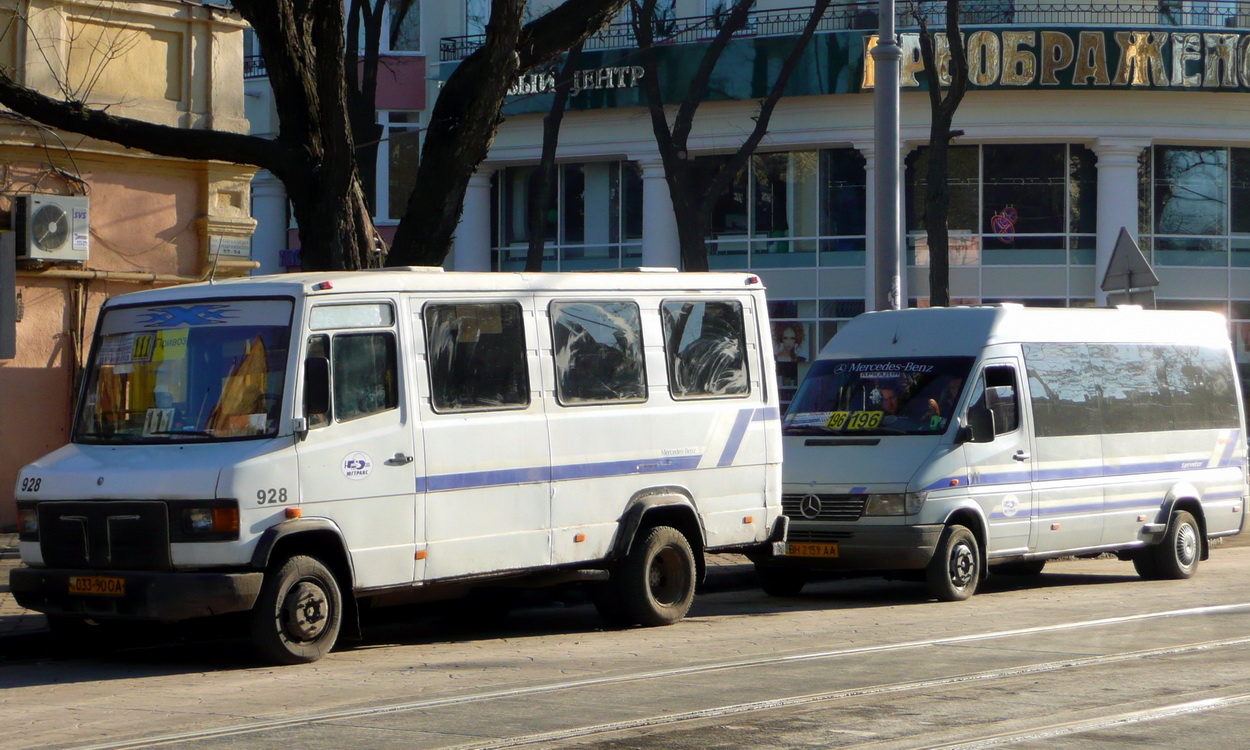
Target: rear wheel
(655,582)
(1176,557)
(777,581)
(297,616)
(955,570)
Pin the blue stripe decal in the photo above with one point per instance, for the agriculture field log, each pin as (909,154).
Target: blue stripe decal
(624,468)
(489,478)
(735,436)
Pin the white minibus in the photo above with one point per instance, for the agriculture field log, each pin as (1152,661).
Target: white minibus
(937,444)
(304,445)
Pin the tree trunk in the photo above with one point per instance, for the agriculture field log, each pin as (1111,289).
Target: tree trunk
(937,193)
(543,179)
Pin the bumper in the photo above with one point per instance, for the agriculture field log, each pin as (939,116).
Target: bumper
(871,548)
(148,595)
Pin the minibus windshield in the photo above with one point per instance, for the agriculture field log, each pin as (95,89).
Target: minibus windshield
(899,396)
(190,372)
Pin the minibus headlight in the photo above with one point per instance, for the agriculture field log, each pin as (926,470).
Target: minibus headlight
(883,504)
(210,523)
(28,524)
(894,504)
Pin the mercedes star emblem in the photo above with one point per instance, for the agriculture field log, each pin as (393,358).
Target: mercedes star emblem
(809,506)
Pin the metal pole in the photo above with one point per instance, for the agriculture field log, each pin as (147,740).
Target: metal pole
(886,56)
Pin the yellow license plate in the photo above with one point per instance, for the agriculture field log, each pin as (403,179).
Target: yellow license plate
(97,585)
(811,549)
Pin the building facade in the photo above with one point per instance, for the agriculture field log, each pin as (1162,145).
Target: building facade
(1080,120)
(130,220)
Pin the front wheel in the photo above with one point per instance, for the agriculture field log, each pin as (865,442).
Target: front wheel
(1176,557)
(655,582)
(297,616)
(955,570)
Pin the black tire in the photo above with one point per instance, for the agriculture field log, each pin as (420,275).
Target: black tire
(780,582)
(297,616)
(655,582)
(1021,568)
(955,570)
(1177,556)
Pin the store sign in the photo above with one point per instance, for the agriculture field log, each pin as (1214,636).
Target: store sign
(1075,59)
(544,82)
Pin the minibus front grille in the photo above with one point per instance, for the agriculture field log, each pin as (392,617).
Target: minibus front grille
(804,535)
(105,535)
(817,507)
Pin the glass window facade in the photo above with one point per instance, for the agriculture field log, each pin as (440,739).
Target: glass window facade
(593,218)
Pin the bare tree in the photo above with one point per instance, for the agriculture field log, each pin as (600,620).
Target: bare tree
(543,179)
(937,192)
(315,151)
(694,196)
(468,112)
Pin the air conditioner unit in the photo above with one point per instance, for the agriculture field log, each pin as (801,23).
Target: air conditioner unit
(52,227)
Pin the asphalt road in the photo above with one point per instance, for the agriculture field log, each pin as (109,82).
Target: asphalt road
(1085,654)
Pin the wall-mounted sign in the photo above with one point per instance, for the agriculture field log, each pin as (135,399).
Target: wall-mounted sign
(544,82)
(1071,58)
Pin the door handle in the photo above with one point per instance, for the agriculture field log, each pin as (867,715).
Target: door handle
(1021,456)
(399,459)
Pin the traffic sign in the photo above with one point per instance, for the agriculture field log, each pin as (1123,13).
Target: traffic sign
(1128,267)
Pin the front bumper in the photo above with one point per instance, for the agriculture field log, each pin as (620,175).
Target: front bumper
(866,548)
(163,596)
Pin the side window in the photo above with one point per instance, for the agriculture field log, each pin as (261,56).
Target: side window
(365,374)
(1065,401)
(476,353)
(1000,398)
(706,348)
(996,392)
(598,352)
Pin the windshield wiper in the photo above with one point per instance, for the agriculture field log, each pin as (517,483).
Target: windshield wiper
(107,435)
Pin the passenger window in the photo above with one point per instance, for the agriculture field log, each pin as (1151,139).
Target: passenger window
(477,356)
(365,374)
(706,348)
(598,352)
(997,393)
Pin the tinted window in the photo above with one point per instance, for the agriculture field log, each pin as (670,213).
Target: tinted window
(706,348)
(364,373)
(477,356)
(598,352)
(1080,389)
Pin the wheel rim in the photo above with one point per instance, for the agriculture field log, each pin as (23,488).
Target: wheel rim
(1186,545)
(666,577)
(305,611)
(962,566)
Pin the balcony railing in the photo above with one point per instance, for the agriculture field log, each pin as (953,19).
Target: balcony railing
(863,15)
(254,67)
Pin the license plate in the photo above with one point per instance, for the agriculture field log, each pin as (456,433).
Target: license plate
(811,549)
(97,585)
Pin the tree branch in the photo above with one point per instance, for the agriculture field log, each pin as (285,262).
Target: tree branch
(75,117)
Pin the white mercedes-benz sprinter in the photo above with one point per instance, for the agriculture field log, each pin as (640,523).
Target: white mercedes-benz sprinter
(939,443)
(295,446)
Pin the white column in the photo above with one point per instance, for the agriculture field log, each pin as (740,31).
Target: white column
(661,247)
(471,251)
(1117,200)
(870,225)
(269,203)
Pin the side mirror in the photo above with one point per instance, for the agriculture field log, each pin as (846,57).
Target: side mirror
(980,426)
(316,386)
